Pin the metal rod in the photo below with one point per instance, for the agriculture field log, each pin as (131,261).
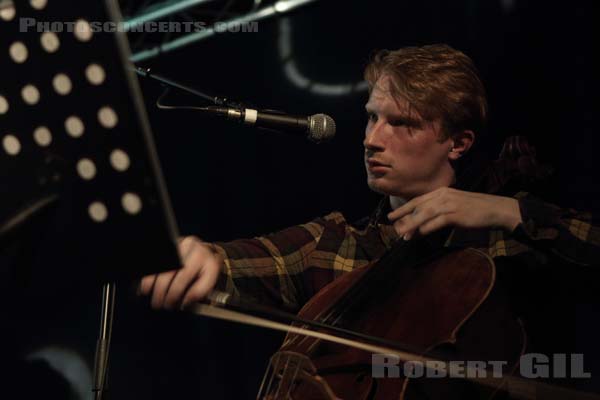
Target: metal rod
(147,73)
(279,8)
(26,214)
(161,11)
(103,343)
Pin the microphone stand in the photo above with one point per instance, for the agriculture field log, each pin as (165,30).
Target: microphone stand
(169,83)
(317,128)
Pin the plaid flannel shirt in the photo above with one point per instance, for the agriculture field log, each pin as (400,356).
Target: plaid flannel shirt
(287,268)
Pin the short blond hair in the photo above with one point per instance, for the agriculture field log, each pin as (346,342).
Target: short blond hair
(438,81)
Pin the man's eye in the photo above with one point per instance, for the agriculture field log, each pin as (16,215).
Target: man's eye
(397,122)
(371,117)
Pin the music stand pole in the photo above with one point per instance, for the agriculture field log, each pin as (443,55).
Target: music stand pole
(103,343)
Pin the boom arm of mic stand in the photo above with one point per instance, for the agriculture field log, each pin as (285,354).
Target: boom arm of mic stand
(147,73)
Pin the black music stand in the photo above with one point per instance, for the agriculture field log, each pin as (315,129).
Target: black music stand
(72,123)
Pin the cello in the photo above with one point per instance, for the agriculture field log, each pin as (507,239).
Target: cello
(415,295)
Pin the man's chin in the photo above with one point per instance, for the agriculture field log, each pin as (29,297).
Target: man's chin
(376,185)
(381,186)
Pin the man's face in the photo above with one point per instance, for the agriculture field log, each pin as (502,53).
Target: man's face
(403,154)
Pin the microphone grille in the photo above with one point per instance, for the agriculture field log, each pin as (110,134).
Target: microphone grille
(321,128)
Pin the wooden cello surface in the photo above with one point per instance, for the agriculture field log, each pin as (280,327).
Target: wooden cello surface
(445,302)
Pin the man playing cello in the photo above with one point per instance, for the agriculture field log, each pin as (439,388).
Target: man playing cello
(426,109)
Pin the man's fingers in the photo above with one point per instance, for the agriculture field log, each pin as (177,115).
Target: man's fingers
(160,288)
(406,226)
(409,207)
(429,226)
(146,284)
(186,246)
(434,224)
(190,283)
(411,222)
(178,286)
(205,284)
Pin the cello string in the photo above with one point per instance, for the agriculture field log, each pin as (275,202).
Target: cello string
(264,379)
(333,314)
(357,293)
(221,299)
(382,277)
(361,292)
(289,391)
(375,278)
(283,376)
(273,373)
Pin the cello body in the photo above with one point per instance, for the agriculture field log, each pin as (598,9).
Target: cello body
(446,303)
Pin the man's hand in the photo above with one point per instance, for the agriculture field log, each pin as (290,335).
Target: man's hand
(450,207)
(191,283)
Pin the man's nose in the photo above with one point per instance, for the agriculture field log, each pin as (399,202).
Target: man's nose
(373,138)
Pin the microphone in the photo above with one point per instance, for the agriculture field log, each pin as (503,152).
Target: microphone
(318,127)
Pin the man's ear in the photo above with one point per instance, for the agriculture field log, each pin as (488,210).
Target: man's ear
(461,143)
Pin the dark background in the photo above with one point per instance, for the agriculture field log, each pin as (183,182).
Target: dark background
(228,181)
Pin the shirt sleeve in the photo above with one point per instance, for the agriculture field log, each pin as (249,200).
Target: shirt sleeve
(574,236)
(286,268)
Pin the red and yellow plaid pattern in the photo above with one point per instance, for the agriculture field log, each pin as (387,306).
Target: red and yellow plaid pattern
(287,268)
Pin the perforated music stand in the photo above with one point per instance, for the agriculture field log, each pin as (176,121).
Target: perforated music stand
(72,123)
